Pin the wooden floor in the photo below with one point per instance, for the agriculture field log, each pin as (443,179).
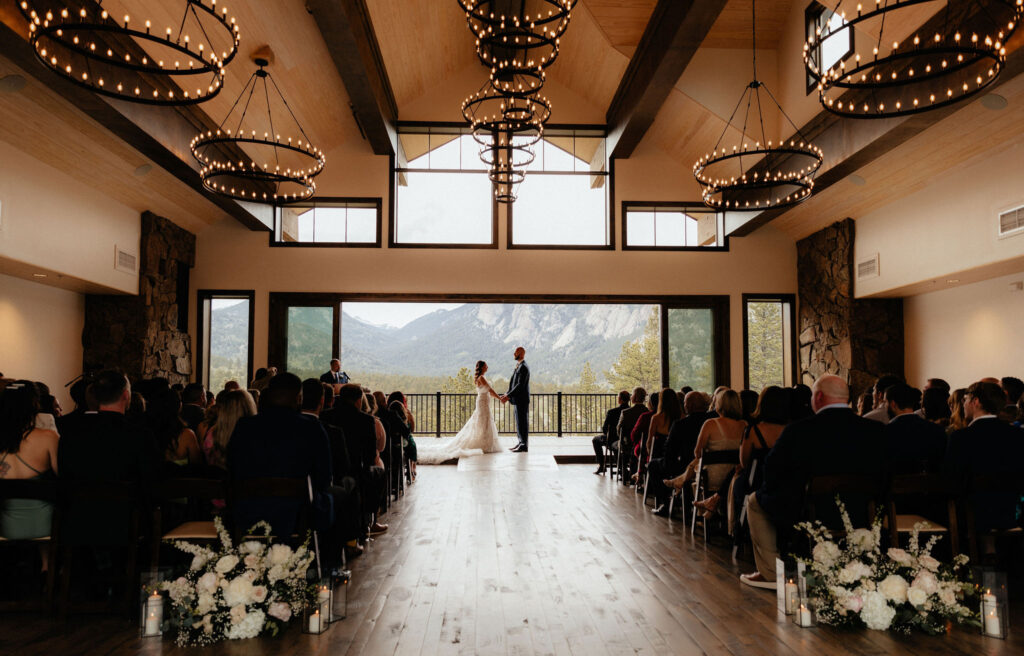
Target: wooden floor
(515,555)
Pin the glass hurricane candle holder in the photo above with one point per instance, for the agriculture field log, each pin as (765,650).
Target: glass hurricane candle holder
(151,612)
(994,603)
(790,585)
(804,615)
(313,621)
(339,586)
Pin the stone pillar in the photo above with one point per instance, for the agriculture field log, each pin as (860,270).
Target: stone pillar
(855,339)
(146,335)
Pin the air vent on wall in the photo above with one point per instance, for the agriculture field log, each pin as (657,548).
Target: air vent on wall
(868,268)
(125,261)
(1011,222)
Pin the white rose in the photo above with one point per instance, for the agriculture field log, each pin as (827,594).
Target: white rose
(252,561)
(917,597)
(894,588)
(947,595)
(198,562)
(877,613)
(926,581)
(250,627)
(861,539)
(279,554)
(251,547)
(929,563)
(206,603)
(826,553)
(275,574)
(239,592)
(900,556)
(207,583)
(226,563)
(854,571)
(237,614)
(259,593)
(280,610)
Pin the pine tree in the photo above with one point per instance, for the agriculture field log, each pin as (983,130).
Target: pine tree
(764,345)
(639,363)
(460,383)
(588,380)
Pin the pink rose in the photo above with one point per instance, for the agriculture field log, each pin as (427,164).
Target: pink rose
(854,603)
(259,593)
(280,610)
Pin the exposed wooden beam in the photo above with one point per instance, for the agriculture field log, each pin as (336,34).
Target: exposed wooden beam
(147,129)
(352,44)
(673,34)
(849,144)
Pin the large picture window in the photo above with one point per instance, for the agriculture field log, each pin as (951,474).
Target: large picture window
(328,222)
(769,355)
(671,226)
(836,48)
(225,337)
(564,200)
(442,197)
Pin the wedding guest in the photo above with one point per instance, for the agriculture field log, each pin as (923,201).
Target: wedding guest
(231,385)
(262,382)
(986,446)
(880,413)
(627,421)
(913,444)
(177,442)
(260,374)
(721,433)
(935,407)
(335,376)
(609,434)
(669,412)
(193,405)
(956,411)
(865,402)
(800,398)
(278,442)
(136,412)
(638,438)
(328,396)
(832,441)
(1014,390)
(679,447)
(232,405)
(105,447)
(748,399)
(26,452)
(402,409)
(255,394)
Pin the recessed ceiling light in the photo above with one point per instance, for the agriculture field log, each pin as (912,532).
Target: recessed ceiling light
(953,280)
(143,170)
(38,275)
(994,101)
(11,83)
(857,180)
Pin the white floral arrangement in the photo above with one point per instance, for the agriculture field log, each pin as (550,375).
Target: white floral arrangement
(239,592)
(856,584)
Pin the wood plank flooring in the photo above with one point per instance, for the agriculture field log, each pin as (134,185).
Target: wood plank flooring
(516,555)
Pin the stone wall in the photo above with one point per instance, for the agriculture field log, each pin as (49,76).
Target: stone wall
(855,339)
(143,334)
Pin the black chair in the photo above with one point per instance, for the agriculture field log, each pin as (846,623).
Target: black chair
(708,458)
(853,488)
(920,486)
(299,490)
(198,495)
(77,499)
(36,490)
(983,484)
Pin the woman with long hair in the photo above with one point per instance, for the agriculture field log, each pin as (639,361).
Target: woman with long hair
(721,433)
(398,404)
(176,441)
(957,420)
(26,452)
(231,406)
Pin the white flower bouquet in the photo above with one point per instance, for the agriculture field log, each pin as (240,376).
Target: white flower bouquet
(856,583)
(239,591)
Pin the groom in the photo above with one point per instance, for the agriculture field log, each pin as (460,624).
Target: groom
(519,394)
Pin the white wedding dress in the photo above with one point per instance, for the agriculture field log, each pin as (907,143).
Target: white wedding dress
(477,437)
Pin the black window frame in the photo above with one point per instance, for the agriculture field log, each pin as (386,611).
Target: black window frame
(553,130)
(633,205)
(794,353)
(412,126)
(719,306)
(377,201)
(812,16)
(204,296)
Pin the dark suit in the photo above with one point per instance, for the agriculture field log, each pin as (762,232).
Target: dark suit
(361,442)
(332,378)
(679,447)
(193,415)
(911,442)
(345,490)
(103,446)
(281,443)
(833,441)
(627,421)
(519,396)
(987,446)
(609,434)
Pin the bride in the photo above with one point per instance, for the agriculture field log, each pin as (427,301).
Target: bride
(477,437)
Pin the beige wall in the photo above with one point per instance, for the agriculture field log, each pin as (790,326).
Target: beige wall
(56,223)
(948,227)
(966,333)
(41,330)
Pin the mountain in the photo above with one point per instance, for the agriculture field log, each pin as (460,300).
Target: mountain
(559,339)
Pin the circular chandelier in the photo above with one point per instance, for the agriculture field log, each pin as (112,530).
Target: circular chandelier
(132,61)
(757,174)
(228,158)
(955,55)
(518,43)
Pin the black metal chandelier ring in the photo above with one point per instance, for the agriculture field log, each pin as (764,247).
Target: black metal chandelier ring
(970,63)
(519,83)
(716,189)
(490,110)
(715,196)
(534,39)
(516,155)
(51,34)
(814,155)
(214,168)
(210,182)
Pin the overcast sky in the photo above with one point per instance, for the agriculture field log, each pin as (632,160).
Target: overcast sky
(393,314)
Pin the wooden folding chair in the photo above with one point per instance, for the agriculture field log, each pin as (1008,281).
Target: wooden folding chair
(1001,483)
(825,488)
(919,486)
(36,490)
(700,483)
(199,493)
